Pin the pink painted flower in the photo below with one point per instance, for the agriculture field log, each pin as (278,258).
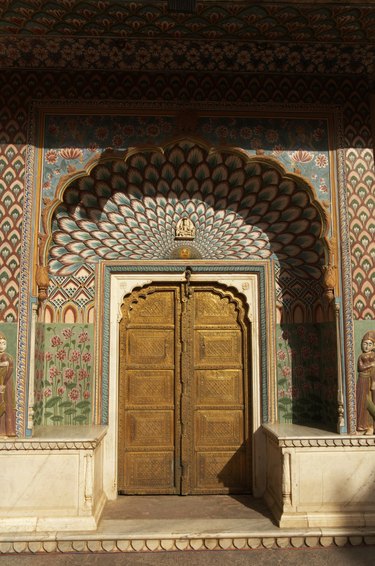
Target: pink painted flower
(272,136)
(86,357)
(47,392)
(222,132)
(281,355)
(68,375)
(74,394)
(48,356)
(321,161)
(117,141)
(323,188)
(53,372)
(246,133)
(61,354)
(67,333)
(86,394)
(75,356)
(286,371)
(101,133)
(128,130)
(61,391)
(56,341)
(83,337)
(51,156)
(83,374)
(152,130)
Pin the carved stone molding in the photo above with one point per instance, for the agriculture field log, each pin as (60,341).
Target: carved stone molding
(23,445)
(343,441)
(314,538)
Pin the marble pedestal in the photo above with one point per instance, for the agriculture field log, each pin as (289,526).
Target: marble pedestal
(319,479)
(53,480)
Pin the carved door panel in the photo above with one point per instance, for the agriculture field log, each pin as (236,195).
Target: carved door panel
(183,410)
(220,451)
(149,378)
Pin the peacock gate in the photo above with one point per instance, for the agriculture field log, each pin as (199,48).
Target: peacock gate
(186,260)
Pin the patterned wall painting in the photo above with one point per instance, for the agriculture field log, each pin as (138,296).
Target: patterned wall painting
(241,208)
(307,373)
(19,87)
(64,374)
(7,379)
(112,213)
(300,144)
(346,24)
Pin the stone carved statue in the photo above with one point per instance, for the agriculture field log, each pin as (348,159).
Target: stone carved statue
(7,410)
(366,384)
(185,229)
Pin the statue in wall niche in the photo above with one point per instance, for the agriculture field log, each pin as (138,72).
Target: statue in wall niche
(7,410)
(365,394)
(185,229)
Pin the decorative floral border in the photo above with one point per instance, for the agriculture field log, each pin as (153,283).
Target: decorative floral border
(184,55)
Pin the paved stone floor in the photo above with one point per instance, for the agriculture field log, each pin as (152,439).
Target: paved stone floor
(192,531)
(350,556)
(190,507)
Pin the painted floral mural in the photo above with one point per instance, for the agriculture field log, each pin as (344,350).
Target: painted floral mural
(301,145)
(307,373)
(63,380)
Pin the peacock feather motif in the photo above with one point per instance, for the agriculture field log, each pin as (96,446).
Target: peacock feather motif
(241,207)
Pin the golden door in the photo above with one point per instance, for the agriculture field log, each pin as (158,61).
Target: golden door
(183,392)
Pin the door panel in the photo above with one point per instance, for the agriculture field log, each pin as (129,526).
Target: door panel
(218,387)
(147,420)
(218,407)
(184,420)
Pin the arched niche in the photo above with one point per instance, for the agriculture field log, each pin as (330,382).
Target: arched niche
(126,206)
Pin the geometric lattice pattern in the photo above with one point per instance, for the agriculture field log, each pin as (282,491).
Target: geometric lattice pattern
(241,209)
(295,293)
(74,291)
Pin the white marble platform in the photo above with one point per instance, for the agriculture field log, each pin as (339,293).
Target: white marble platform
(53,480)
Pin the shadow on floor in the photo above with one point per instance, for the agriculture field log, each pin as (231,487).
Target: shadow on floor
(137,507)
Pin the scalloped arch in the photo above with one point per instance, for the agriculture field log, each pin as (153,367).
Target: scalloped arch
(125,206)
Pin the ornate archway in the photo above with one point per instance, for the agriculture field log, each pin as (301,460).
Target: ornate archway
(126,207)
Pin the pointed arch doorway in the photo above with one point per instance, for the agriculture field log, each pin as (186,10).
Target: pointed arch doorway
(184,391)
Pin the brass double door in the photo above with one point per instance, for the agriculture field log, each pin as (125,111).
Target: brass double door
(183,392)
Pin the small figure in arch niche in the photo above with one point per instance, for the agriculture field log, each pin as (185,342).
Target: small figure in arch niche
(185,229)
(366,384)
(7,410)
